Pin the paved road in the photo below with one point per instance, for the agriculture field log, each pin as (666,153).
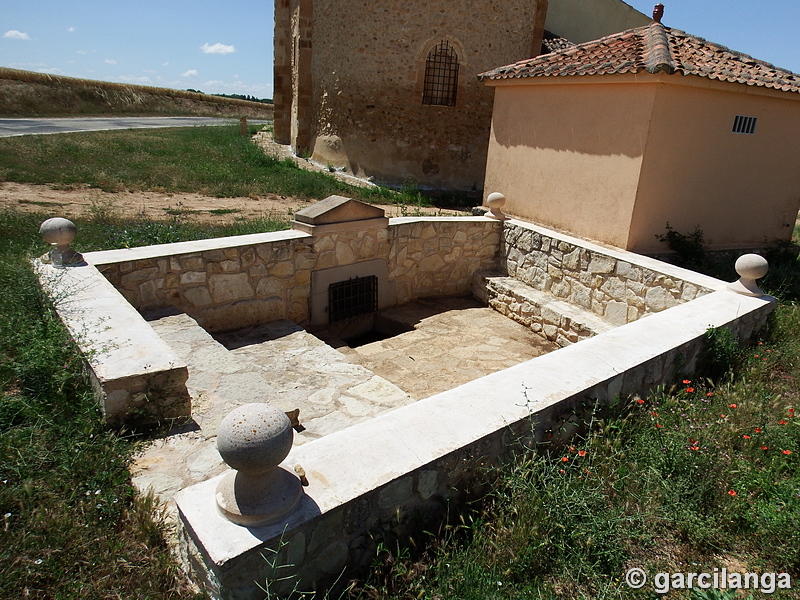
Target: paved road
(11,127)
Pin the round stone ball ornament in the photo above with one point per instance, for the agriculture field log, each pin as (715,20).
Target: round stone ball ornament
(60,233)
(749,267)
(253,440)
(496,201)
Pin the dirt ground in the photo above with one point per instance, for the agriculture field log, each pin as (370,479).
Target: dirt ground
(84,201)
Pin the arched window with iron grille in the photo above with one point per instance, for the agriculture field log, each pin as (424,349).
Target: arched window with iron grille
(441,76)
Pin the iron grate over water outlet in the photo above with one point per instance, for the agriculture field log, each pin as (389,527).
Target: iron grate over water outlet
(352,298)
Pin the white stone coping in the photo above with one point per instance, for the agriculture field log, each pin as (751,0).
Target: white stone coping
(347,464)
(116,340)
(629,257)
(434,219)
(106,257)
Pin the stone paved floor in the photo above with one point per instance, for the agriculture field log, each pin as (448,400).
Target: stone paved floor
(452,341)
(279,363)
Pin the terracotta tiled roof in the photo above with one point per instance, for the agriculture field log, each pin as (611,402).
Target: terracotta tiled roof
(553,43)
(653,48)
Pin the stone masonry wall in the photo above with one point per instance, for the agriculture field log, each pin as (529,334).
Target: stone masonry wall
(222,288)
(616,290)
(237,286)
(368,68)
(438,256)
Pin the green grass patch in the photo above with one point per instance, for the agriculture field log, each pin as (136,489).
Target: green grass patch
(224,211)
(691,478)
(214,161)
(73,526)
(42,203)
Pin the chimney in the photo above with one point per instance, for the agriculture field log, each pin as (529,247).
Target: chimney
(658,12)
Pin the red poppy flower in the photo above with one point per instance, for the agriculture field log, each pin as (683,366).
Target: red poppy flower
(562,471)
(687,381)
(723,416)
(659,425)
(763,447)
(732,405)
(689,390)
(709,394)
(747,437)
(786,451)
(581,452)
(731,493)
(639,401)
(781,422)
(564,458)
(758,429)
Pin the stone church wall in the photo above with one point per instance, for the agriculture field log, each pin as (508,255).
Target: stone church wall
(365,81)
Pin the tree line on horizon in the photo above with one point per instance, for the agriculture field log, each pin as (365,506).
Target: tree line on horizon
(236,96)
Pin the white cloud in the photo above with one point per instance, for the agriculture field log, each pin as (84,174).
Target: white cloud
(166,64)
(13,34)
(217,48)
(71,29)
(108,61)
(81,52)
(190,73)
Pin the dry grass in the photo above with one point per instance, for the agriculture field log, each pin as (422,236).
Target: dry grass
(26,93)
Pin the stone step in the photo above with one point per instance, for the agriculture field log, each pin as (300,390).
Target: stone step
(331,392)
(278,363)
(557,320)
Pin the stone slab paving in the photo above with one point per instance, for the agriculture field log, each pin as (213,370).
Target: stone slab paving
(279,363)
(452,341)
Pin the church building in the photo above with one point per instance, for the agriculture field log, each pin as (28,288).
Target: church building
(389,89)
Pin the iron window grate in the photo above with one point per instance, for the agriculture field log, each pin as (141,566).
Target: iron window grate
(441,76)
(742,124)
(352,298)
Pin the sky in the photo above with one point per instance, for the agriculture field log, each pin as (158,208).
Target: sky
(225,47)
(217,47)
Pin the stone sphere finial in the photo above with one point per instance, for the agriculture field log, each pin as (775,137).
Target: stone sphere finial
(749,267)
(495,201)
(253,440)
(60,233)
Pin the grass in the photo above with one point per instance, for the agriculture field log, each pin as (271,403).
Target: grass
(214,161)
(27,94)
(693,477)
(73,526)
